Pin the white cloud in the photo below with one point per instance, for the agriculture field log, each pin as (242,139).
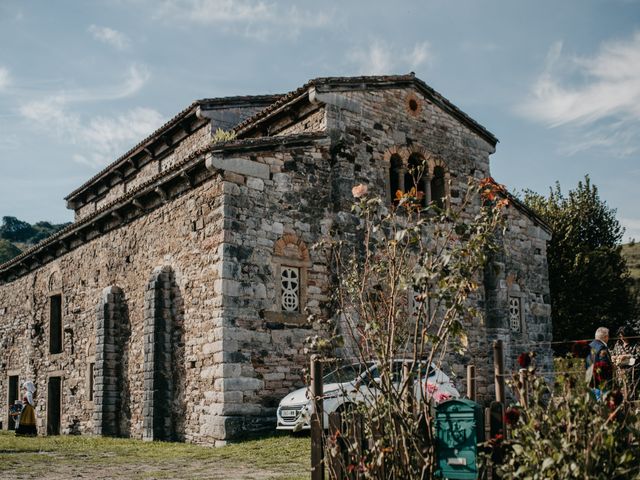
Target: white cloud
(5,78)
(596,98)
(106,138)
(110,36)
(381,58)
(249,18)
(101,139)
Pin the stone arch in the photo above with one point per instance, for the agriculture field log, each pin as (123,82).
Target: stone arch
(163,414)
(112,412)
(290,246)
(54,283)
(433,178)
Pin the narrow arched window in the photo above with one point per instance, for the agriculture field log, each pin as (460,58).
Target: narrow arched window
(396,179)
(438,191)
(416,177)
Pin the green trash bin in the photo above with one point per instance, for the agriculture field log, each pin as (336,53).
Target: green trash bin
(459,429)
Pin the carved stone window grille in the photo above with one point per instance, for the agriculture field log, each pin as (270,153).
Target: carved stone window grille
(515,314)
(290,281)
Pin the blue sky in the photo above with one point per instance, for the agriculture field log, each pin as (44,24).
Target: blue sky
(558,82)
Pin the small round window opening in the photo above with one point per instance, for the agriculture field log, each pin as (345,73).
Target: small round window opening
(413,104)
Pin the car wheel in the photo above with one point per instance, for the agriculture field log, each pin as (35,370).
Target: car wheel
(347,413)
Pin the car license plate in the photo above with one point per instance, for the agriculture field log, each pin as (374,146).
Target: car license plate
(289,413)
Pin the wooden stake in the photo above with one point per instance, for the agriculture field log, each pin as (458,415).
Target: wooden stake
(471,382)
(317,447)
(498,368)
(524,392)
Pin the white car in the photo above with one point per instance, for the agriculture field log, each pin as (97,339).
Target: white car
(356,383)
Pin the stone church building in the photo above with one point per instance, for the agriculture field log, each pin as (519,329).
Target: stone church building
(175,305)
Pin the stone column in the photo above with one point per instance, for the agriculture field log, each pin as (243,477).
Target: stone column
(106,398)
(158,378)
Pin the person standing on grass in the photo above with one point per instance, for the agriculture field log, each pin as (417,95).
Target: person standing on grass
(599,366)
(27,426)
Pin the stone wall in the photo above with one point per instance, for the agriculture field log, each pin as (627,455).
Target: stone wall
(366,129)
(517,281)
(184,235)
(379,123)
(277,205)
(313,122)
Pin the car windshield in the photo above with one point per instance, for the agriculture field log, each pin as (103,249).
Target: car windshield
(419,369)
(345,373)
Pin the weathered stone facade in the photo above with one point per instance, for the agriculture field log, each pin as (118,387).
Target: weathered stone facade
(188,274)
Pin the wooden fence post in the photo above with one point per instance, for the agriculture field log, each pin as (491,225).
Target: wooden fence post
(317,427)
(498,368)
(524,391)
(471,382)
(336,464)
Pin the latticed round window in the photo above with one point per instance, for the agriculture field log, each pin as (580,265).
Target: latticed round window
(290,280)
(514,314)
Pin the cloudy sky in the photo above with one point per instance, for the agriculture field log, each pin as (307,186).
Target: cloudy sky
(557,81)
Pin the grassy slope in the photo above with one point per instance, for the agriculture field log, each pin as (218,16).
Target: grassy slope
(279,457)
(631,253)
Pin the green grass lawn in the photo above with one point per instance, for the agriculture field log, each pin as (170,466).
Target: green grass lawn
(277,457)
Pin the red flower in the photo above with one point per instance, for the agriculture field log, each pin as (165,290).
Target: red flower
(511,416)
(580,349)
(524,360)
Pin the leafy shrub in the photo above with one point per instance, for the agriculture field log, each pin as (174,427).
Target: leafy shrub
(405,292)
(221,136)
(563,432)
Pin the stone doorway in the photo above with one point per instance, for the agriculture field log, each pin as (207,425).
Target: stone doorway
(54,405)
(12,397)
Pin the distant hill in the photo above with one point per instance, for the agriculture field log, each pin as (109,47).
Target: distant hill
(17,236)
(631,253)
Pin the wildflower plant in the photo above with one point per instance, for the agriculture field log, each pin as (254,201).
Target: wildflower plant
(405,292)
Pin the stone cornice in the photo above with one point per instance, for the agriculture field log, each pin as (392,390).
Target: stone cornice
(159,144)
(152,194)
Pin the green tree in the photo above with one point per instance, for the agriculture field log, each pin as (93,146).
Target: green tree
(588,277)
(15,230)
(8,250)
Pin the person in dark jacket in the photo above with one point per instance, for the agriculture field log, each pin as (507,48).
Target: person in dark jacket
(598,363)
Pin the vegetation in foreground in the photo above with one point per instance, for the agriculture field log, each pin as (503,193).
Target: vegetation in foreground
(562,432)
(277,457)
